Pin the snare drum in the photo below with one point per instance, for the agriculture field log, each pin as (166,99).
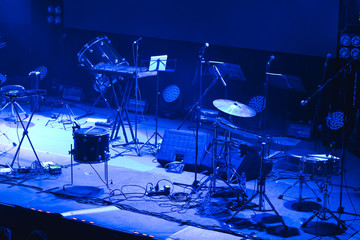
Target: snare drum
(91,145)
(319,166)
(99,50)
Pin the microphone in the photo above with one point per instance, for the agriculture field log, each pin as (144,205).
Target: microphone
(271,58)
(328,56)
(219,75)
(304,102)
(138,40)
(202,50)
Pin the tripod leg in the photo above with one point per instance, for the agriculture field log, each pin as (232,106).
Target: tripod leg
(338,220)
(242,207)
(276,212)
(293,185)
(310,218)
(317,197)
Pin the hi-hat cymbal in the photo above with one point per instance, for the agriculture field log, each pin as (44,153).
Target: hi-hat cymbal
(234,108)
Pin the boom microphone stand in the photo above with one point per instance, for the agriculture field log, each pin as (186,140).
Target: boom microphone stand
(197,107)
(321,213)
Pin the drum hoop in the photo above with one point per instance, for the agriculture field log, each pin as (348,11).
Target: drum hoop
(106,132)
(89,45)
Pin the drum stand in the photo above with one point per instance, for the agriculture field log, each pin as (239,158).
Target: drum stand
(302,180)
(229,169)
(261,191)
(106,169)
(321,214)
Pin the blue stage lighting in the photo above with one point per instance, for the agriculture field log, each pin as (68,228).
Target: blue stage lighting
(171,94)
(257,103)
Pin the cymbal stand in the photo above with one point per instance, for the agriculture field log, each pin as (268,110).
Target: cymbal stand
(227,143)
(25,132)
(261,190)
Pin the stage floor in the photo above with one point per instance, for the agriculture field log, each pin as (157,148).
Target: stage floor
(123,203)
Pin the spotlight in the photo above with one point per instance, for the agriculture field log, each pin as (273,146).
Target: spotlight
(50,19)
(171,94)
(335,120)
(355,41)
(50,9)
(345,40)
(355,53)
(57,20)
(171,105)
(58,10)
(344,52)
(257,103)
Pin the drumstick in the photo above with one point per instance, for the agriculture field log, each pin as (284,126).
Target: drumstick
(89,130)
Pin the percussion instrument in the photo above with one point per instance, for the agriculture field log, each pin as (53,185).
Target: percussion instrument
(91,145)
(234,108)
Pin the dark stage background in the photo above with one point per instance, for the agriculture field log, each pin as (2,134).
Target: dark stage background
(298,33)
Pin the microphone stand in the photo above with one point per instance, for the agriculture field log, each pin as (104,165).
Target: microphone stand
(340,209)
(136,59)
(197,107)
(317,109)
(321,87)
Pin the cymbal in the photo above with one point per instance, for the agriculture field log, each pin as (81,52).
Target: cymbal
(234,108)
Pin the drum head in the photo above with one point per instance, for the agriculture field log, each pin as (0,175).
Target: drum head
(93,131)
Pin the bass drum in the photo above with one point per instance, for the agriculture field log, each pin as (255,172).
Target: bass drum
(99,50)
(91,145)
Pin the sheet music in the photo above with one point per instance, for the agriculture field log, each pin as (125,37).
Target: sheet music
(158,63)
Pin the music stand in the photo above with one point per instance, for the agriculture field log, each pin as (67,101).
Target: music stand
(159,64)
(287,82)
(230,70)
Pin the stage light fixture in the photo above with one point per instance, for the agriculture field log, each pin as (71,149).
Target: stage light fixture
(50,9)
(171,105)
(335,120)
(58,10)
(57,20)
(344,52)
(355,41)
(50,19)
(349,46)
(171,94)
(355,53)
(345,40)
(257,103)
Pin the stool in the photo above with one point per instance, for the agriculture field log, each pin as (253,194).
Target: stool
(9,88)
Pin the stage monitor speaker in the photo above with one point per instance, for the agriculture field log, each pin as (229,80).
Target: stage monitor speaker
(179,145)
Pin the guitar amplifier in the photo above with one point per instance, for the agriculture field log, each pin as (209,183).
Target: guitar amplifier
(300,130)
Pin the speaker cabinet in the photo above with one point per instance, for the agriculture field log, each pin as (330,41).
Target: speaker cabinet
(178,145)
